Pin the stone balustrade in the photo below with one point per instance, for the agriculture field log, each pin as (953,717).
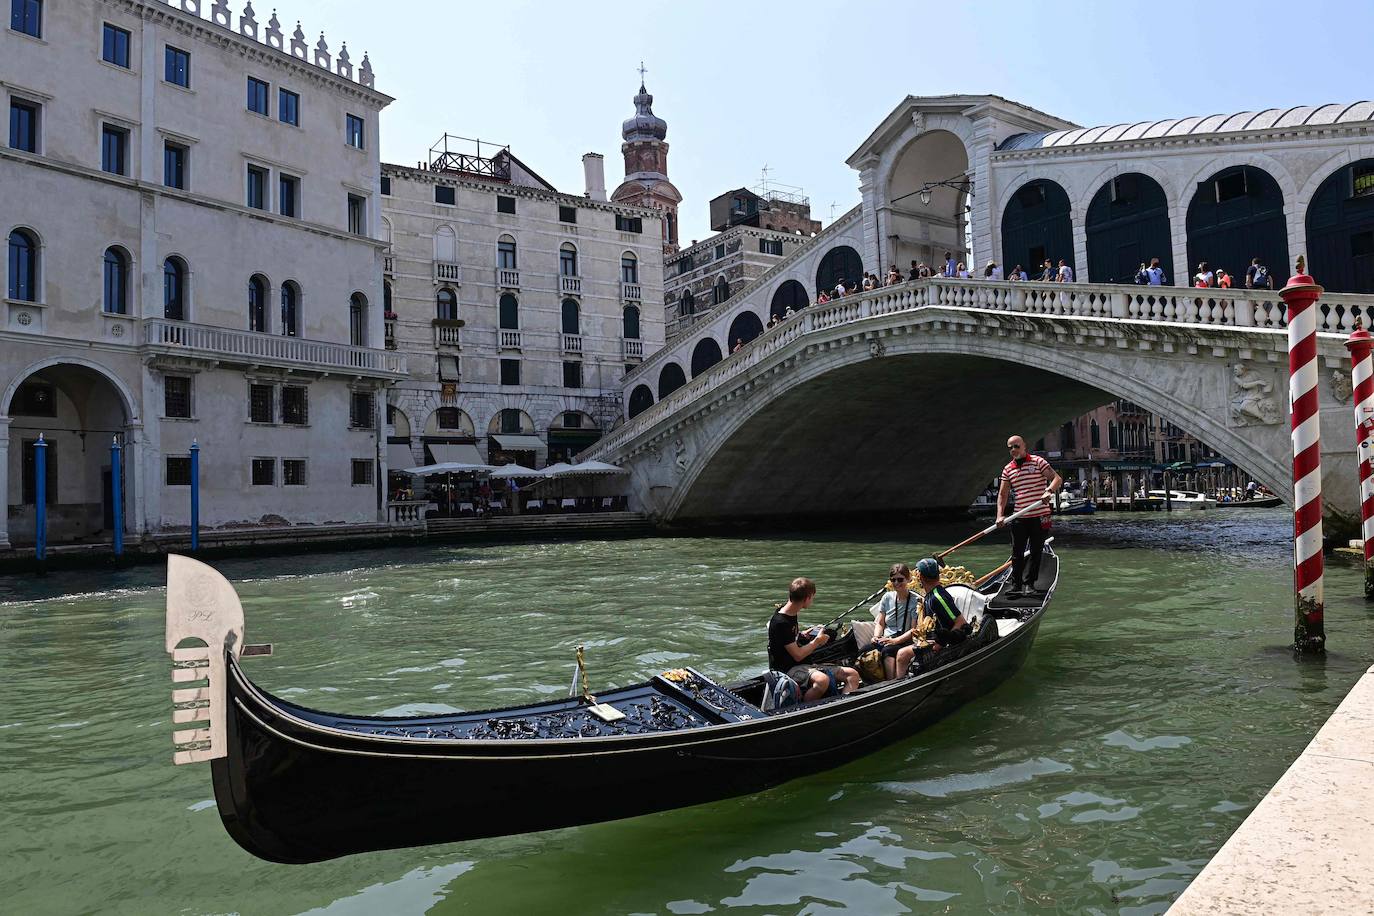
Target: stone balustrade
(273,37)
(389,332)
(506,278)
(570,285)
(1179,306)
(447,272)
(510,340)
(631,292)
(183,338)
(389,264)
(633,349)
(406,513)
(448,333)
(572,343)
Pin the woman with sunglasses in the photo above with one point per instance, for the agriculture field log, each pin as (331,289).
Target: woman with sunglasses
(897,614)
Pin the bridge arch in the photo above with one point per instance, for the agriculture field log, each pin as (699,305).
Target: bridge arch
(704,355)
(641,399)
(670,379)
(1127,224)
(1235,214)
(790,294)
(1037,223)
(1340,228)
(1057,383)
(744,328)
(839,263)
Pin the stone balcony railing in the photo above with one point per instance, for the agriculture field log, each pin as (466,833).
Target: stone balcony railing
(506,278)
(572,343)
(1177,306)
(389,264)
(389,332)
(633,349)
(510,340)
(447,272)
(447,332)
(570,285)
(225,345)
(631,292)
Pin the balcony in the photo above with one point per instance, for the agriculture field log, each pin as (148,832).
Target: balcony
(389,264)
(447,272)
(633,349)
(572,343)
(631,292)
(389,329)
(570,285)
(510,340)
(447,332)
(246,348)
(507,278)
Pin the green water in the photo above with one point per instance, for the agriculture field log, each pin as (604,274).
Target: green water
(1156,709)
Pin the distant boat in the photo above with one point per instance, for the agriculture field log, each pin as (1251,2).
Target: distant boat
(1180,500)
(1073,505)
(1259,502)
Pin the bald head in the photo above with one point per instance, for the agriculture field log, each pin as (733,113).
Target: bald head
(1016,446)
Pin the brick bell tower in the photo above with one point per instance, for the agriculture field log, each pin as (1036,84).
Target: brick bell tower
(646,181)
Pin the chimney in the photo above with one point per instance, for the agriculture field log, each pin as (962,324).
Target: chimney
(594,168)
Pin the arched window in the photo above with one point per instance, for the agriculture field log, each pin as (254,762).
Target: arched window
(357,320)
(505,253)
(510,313)
(174,289)
(641,399)
(23,266)
(629,268)
(570,322)
(567,260)
(386,301)
(445,246)
(290,309)
(689,304)
(721,291)
(630,323)
(449,418)
(116,281)
(1094,434)
(446,305)
(257,303)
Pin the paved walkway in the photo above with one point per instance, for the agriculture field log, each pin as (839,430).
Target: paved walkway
(1308,847)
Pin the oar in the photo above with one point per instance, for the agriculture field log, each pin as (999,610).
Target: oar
(940,557)
(845,614)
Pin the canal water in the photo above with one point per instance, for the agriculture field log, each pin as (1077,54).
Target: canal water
(1156,709)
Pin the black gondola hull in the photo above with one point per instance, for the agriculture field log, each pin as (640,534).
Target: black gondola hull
(293,791)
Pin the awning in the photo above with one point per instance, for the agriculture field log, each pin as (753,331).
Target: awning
(398,457)
(513,443)
(448,369)
(456,454)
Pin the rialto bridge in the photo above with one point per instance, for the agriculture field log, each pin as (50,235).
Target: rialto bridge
(902,398)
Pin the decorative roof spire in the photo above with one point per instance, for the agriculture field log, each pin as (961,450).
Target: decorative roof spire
(644,125)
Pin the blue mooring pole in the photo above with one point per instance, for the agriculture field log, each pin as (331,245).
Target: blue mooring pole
(117,496)
(40,485)
(195,496)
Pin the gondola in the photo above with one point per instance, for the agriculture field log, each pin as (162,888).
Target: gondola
(297,785)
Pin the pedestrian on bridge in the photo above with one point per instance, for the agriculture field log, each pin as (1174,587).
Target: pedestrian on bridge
(1034,484)
(1155,274)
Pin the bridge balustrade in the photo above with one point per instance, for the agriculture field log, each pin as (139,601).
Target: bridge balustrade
(1242,308)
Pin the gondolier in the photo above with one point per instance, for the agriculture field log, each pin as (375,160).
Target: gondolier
(1032,480)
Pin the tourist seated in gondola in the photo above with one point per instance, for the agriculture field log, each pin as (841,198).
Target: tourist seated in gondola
(895,617)
(947,626)
(788,649)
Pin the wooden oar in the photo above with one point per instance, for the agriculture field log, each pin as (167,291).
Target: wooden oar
(940,557)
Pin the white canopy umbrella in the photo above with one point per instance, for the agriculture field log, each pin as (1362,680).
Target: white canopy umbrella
(448,467)
(586,468)
(507,471)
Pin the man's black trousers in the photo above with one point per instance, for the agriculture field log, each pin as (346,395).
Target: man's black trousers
(1026,532)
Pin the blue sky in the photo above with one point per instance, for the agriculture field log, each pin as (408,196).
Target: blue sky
(799,85)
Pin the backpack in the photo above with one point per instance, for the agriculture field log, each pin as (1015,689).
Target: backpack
(1261,277)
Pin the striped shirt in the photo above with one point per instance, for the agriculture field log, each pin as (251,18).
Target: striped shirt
(1028,483)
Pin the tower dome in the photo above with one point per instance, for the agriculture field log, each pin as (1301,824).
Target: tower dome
(645,125)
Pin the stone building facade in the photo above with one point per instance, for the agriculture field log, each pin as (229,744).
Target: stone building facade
(517,307)
(190,210)
(706,274)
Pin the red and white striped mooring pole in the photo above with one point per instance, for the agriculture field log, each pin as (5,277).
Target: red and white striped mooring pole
(1300,295)
(1360,344)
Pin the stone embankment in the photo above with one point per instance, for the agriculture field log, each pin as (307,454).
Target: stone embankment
(1308,847)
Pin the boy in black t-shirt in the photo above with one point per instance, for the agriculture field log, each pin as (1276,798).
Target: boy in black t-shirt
(785,653)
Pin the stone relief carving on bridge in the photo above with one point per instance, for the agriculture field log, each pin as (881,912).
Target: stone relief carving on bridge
(1252,397)
(680,456)
(1340,386)
(876,348)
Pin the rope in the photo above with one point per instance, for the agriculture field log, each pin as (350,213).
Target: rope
(582,667)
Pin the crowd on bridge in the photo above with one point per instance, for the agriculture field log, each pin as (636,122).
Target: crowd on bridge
(1257,276)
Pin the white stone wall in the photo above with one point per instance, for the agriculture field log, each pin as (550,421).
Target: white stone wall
(77,211)
(413,221)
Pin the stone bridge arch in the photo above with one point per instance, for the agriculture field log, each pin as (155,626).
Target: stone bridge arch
(789,438)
